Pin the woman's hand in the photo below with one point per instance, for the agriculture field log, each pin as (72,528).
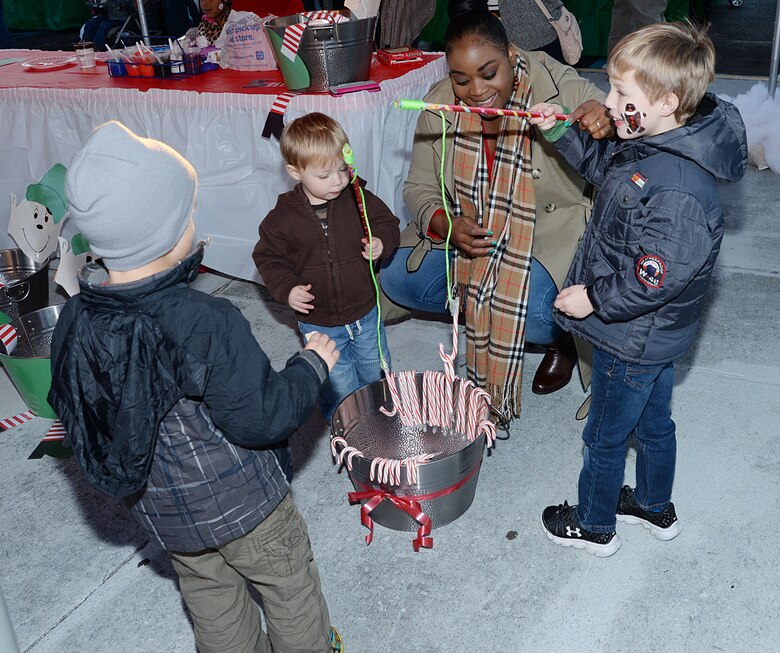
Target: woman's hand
(471,239)
(593,118)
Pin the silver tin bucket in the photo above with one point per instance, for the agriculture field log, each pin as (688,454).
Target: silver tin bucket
(334,54)
(24,284)
(435,476)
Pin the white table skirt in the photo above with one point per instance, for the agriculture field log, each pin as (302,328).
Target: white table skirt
(240,173)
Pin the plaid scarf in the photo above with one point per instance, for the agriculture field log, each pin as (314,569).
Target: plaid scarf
(494,289)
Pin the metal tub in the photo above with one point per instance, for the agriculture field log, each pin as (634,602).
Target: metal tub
(24,284)
(360,411)
(333,54)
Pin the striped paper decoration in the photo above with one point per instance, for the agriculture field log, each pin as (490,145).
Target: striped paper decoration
(16,420)
(291,40)
(8,338)
(53,444)
(293,34)
(274,122)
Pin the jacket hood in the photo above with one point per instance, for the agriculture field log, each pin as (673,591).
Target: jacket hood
(714,138)
(97,293)
(140,373)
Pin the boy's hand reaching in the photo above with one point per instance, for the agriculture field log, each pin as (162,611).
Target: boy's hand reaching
(574,302)
(549,111)
(321,344)
(300,299)
(375,251)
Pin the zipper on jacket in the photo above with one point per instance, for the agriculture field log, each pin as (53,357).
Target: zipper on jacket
(330,261)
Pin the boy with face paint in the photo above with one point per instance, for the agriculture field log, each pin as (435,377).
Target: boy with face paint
(636,286)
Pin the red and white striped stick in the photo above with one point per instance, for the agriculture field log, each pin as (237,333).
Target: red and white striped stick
(419,105)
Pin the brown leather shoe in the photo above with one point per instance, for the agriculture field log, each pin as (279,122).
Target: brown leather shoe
(555,370)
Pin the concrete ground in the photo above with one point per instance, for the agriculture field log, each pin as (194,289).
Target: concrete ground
(79,576)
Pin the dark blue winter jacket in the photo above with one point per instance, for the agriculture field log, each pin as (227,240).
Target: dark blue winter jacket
(647,255)
(166,396)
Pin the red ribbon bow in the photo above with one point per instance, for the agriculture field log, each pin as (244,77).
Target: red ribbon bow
(410,505)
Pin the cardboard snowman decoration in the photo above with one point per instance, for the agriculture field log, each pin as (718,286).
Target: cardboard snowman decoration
(73,256)
(36,221)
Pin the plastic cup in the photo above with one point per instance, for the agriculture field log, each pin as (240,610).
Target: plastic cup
(85,54)
(116,68)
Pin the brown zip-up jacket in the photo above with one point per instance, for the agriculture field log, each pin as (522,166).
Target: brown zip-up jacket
(293,250)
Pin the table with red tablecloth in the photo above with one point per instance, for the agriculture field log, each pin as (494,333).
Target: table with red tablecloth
(216,121)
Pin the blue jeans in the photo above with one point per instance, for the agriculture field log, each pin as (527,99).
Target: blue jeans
(358,364)
(627,399)
(425,290)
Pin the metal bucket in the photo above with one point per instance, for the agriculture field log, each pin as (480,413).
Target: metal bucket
(458,469)
(328,55)
(24,284)
(29,365)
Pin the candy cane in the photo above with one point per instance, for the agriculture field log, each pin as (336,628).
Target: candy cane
(412,464)
(334,441)
(419,105)
(348,451)
(460,413)
(489,429)
(386,470)
(349,159)
(435,397)
(479,404)
(407,386)
(354,452)
(390,382)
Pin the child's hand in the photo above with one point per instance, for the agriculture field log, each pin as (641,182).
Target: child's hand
(574,302)
(549,111)
(324,346)
(300,299)
(375,251)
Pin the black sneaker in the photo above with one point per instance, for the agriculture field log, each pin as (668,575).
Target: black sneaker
(560,524)
(662,525)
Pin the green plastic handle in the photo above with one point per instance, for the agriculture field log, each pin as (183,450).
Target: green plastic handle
(349,155)
(413,105)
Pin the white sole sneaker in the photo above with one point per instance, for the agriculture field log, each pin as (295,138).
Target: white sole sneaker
(593,548)
(663,534)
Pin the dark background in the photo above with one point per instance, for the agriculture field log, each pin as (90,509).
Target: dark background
(742,36)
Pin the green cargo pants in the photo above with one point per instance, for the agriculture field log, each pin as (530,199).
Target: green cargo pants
(276,558)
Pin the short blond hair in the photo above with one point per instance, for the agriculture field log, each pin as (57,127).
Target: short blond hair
(666,58)
(313,138)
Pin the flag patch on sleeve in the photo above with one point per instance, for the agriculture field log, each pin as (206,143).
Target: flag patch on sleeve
(639,179)
(651,270)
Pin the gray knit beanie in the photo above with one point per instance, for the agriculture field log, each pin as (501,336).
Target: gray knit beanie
(131,197)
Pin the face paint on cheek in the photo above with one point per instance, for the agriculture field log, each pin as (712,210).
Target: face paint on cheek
(633,119)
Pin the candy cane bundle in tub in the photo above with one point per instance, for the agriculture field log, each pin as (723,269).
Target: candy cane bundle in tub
(412,444)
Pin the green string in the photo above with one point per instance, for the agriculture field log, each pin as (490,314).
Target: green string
(349,159)
(382,361)
(446,210)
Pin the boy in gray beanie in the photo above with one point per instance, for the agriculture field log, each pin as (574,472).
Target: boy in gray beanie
(168,400)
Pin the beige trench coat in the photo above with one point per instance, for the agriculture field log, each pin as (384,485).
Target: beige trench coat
(563,198)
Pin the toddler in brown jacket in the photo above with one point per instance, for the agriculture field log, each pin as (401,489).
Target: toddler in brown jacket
(313,254)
